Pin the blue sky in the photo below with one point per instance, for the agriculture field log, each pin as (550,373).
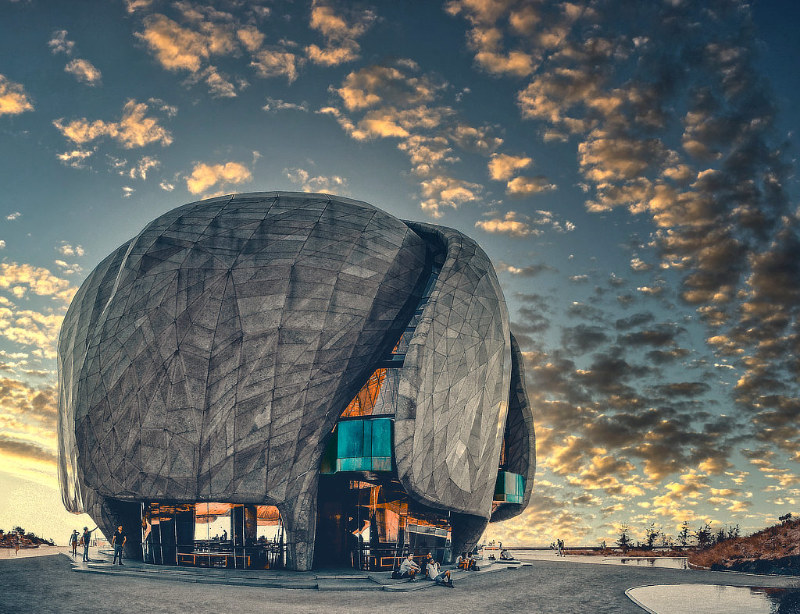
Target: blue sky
(629,168)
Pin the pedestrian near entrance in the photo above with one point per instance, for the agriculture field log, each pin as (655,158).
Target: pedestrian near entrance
(86,537)
(73,541)
(118,542)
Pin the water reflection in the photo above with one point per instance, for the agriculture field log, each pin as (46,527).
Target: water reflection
(650,561)
(713,599)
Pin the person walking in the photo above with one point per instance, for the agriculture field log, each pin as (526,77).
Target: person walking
(118,541)
(16,545)
(73,541)
(85,539)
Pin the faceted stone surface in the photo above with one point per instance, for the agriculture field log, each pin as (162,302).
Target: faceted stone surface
(208,359)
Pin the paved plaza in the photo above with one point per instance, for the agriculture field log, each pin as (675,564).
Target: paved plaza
(48,584)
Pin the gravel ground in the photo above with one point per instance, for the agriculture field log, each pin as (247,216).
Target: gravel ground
(46,584)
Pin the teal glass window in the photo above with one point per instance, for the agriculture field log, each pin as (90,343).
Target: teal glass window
(364,445)
(509,488)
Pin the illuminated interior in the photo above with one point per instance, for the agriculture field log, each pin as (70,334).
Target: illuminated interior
(368,522)
(226,535)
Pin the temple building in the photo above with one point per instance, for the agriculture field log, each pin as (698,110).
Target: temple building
(292,380)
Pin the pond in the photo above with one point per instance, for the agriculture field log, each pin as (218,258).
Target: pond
(650,561)
(713,599)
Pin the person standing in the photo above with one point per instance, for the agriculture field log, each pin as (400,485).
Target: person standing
(16,544)
(118,541)
(85,539)
(73,541)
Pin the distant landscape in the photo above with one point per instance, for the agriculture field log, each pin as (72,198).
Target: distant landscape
(26,539)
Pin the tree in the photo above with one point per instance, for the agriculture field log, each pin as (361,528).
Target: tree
(683,536)
(785,518)
(720,536)
(703,536)
(733,532)
(666,540)
(651,534)
(624,540)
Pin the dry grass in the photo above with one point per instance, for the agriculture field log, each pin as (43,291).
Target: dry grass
(775,542)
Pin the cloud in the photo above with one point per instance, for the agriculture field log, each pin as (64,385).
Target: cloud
(37,280)
(84,71)
(13,216)
(340,33)
(66,249)
(386,84)
(142,167)
(276,63)
(531,270)
(509,224)
(27,421)
(333,184)
(13,98)
(519,225)
(75,158)
(504,166)
(529,185)
(582,338)
(59,43)
(135,128)
(443,191)
(274,105)
(205,176)
(179,48)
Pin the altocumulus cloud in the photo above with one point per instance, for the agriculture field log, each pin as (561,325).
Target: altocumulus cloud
(13,98)
(205,176)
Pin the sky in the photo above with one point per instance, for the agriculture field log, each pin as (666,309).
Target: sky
(628,167)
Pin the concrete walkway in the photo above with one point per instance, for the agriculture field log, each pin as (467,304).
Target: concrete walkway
(324,580)
(47,584)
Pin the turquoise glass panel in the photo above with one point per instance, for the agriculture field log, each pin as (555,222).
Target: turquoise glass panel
(509,487)
(381,437)
(351,439)
(364,445)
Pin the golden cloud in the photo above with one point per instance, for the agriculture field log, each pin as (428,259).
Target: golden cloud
(134,129)
(509,224)
(13,98)
(84,71)
(503,166)
(204,176)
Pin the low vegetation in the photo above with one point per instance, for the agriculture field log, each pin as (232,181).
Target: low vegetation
(8,539)
(775,549)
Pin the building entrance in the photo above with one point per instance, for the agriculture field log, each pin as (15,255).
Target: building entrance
(370,523)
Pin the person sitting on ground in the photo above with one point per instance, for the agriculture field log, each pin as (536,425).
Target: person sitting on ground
(505,555)
(472,565)
(461,561)
(426,571)
(436,574)
(409,569)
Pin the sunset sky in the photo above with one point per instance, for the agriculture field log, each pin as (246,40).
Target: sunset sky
(629,167)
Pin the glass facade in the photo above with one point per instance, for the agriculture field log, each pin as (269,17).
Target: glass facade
(367,521)
(225,535)
(509,488)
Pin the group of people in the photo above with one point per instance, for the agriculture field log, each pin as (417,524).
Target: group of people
(84,538)
(429,569)
(466,562)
